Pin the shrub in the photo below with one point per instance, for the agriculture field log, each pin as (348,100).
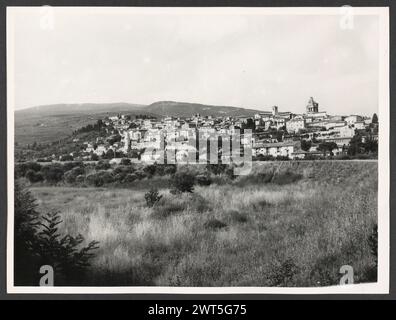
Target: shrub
(53,173)
(22,168)
(198,203)
(119,177)
(258,178)
(325,271)
(150,169)
(203,180)
(286,177)
(80,179)
(165,209)
(33,176)
(216,169)
(282,274)
(70,177)
(152,197)
(160,169)
(38,242)
(33,166)
(94,180)
(214,224)
(125,161)
(170,169)
(261,204)
(237,216)
(130,177)
(94,157)
(103,165)
(66,157)
(75,164)
(106,176)
(140,174)
(183,182)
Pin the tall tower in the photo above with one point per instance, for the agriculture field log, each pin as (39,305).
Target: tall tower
(312,106)
(274,110)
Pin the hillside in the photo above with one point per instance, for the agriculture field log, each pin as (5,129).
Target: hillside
(49,123)
(185,109)
(53,122)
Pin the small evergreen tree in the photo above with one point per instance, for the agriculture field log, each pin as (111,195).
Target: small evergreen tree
(38,242)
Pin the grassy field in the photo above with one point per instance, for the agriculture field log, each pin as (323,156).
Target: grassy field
(243,233)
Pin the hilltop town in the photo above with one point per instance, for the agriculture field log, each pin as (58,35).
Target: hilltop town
(276,134)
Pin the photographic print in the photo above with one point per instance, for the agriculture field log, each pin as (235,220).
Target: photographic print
(198,150)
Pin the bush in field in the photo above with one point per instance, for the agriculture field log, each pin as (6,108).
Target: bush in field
(53,173)
(103,165)
(160,169)
(22,168)
(165,209)
(150,169)
(66,157)
(281,274)
(71,165)
(124,170)
(183,181)
(33,176)
(325,271)
(106,176)
(237,216)
(170,169)
(94,157)
(203,180)
(152,197)
(71,175)
(80,179)
(214,224)
(229,172)
(140,174)
(286,177)
(258,178)
(94,180)
(125,161)
(130,177)
(119,177)
(38,243)
(198,203)
(216,169)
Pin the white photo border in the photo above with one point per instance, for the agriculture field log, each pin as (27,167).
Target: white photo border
(382,284)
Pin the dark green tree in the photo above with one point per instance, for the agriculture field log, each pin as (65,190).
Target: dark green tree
(38,242)
(327,147)
(306,145)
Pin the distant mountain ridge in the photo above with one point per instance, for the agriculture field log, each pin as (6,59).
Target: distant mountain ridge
(160,108)
(85,108)
(186,109)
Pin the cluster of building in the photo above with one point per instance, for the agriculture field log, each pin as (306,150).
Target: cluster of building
(274,133)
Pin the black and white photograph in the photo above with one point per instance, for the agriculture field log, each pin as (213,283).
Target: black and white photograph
(198,150)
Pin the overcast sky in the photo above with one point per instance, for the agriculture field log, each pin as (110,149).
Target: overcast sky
(252,61)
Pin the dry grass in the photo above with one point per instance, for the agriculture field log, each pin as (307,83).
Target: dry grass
(297,234)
